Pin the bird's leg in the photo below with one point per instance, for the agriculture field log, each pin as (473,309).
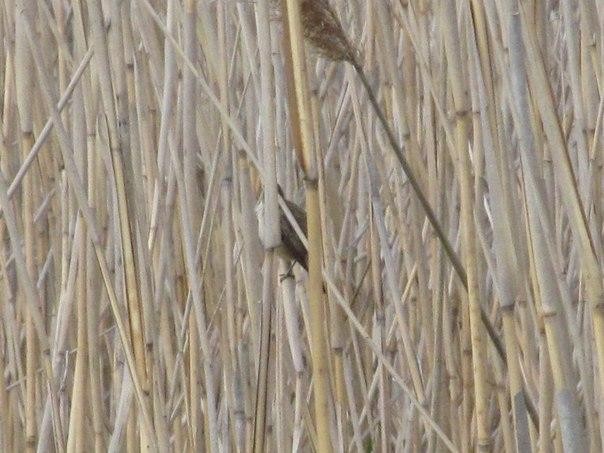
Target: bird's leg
(289,273)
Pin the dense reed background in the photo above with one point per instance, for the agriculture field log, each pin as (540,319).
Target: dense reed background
(448,154)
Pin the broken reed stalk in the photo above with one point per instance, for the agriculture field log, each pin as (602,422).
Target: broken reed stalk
(323,30)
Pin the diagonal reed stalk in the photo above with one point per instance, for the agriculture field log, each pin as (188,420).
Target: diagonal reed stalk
(323,30)
(141,305)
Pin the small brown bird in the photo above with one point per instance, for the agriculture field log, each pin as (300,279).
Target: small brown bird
(292,248)
(291,243)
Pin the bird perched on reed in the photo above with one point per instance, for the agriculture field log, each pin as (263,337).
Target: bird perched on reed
(292,248)
(323,30)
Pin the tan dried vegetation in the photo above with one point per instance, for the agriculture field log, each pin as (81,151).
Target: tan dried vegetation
(425,273)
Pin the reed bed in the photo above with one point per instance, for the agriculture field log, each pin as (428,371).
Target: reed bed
(302,225)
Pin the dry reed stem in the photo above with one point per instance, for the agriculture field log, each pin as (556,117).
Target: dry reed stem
(148,266)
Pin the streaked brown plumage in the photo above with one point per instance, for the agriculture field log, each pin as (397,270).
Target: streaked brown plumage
(291,248)
(291,243)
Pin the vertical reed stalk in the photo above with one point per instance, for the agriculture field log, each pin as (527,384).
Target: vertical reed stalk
(450,156)
(463,167)
(309,161)
(24,86)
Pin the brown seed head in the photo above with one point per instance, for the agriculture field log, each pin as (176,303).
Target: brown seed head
(323,30)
